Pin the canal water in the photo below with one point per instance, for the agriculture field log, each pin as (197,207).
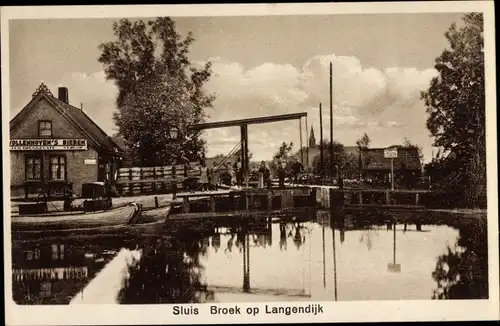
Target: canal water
(278,261)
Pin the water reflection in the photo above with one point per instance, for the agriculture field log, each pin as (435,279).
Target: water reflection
(339,258)
(169,272)
(462,272)
(52,273)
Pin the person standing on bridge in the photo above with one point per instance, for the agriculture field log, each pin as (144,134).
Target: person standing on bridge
(230,172)
(265,173)
(204,176)
(297,168)
(238,172)
(213,176)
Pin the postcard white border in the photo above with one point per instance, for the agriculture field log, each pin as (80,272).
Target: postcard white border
(360,311)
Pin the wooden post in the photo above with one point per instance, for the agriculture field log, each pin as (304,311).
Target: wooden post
(313,197)
(233,202)
(387,197)
(360,196)
(212,203)
(269,200)
(185,206)
(417,199)
(156,202)
(244,150)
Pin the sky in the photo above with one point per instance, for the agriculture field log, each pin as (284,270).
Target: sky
(262,65)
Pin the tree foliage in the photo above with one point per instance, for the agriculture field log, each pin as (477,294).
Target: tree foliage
(340,159)
(364,141)
(158,88)
(407,143)
(462,272)
(283,155)
(455,101)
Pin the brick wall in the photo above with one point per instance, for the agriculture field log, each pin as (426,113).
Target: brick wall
(28,128)
(77,171)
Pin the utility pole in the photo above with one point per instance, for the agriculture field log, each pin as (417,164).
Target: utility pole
(331,122)
(392,174)
(321,157)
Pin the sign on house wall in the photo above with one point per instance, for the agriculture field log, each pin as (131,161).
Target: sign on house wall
(48,144)
(390,153)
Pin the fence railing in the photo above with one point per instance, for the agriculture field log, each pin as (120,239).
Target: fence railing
(158,179)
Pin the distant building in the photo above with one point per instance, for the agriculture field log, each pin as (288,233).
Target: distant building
(373,164)
(56,145)
(310,153)
(406,165)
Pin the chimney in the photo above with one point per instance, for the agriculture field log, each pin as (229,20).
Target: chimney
(63,94)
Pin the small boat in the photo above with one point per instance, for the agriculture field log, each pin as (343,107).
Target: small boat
(108,223)
(112,217)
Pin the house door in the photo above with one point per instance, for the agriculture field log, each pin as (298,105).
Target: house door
(101,170)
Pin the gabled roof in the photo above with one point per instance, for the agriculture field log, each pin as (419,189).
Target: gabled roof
(408,158)
(75,116)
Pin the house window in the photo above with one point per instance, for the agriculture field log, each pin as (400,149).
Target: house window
(29,255)
(58,167)
(45,128)
(55,252)
(61,251)
(33,168)
(46,289)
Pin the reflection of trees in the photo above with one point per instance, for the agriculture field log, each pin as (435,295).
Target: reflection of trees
(462,273)
(168,273)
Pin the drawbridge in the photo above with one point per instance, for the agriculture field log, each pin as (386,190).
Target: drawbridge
(244,123)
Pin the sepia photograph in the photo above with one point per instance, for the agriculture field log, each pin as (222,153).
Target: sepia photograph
(203,160)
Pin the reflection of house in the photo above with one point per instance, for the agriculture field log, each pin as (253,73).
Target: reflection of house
(53,143)
(48,273)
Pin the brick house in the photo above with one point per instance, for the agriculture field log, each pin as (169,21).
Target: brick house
(54,145)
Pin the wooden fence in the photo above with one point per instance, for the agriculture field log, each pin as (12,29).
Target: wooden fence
(158,179)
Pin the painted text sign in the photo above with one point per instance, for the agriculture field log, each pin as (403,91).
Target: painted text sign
(48,144)
(390,153)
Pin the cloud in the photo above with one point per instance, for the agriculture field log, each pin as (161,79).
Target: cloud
(96,94)
(363,99)
(361,96)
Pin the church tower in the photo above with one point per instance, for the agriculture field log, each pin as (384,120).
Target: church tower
(312,139)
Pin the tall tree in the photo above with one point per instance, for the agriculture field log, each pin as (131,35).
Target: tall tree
(364,141)
(409,144)
(158,89)
(341,160)
(238,154)
(284,154)
(455,103)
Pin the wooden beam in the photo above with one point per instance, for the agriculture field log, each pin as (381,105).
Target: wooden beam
(258,120)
